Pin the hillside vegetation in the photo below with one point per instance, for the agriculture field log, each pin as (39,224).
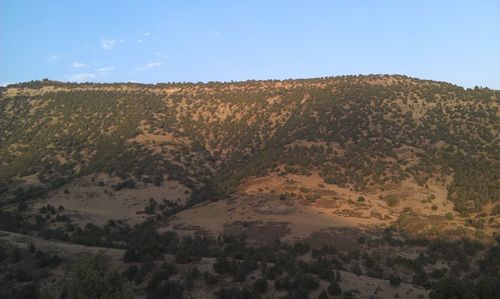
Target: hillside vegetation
(356,186)
(359,132)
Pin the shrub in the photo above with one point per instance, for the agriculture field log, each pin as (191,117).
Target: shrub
(144,270)
(357,270)
(496,210)
(189,276)
(29,290)
(260,285)
(304,190)
(330,180)
(3,254)
(420,278)
(15,255)
(131,272)
(394,280)
(300,294)
(151,207)
(438,273)
(22,276)
(323,295)
(160,287)
(301,248)
(234,293)
(334,289)
(271,272)
(182,257)
(93,277)
(130,256)
(313,197)
(158,180)
(31,248)
(392,201)
(448,288)
(209,278)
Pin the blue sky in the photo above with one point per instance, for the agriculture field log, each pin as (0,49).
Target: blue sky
(164,41)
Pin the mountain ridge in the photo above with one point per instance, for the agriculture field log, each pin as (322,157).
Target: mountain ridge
(47,81)
(362,185)
(293,109)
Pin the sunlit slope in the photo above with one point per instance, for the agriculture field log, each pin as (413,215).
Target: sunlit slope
(357,132)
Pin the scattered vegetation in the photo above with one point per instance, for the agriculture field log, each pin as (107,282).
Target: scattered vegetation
(358,127)
(357,132)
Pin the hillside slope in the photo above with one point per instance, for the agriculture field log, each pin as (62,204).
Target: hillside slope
(368,186)
(360,132)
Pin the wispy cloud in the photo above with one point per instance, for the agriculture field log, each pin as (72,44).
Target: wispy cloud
(79,65)
(81,77)
(108,44)
(160,56)
(106,69)
(153,65)
(139,41)
(54,58)
(148,66)
(150,36)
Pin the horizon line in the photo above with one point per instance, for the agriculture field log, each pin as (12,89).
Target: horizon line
(207,82)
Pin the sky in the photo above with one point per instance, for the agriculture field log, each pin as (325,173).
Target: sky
(175,41)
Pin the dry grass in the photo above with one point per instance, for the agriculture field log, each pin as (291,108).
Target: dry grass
(88,202)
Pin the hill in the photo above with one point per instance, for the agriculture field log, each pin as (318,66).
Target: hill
(328,161)
(357,131)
